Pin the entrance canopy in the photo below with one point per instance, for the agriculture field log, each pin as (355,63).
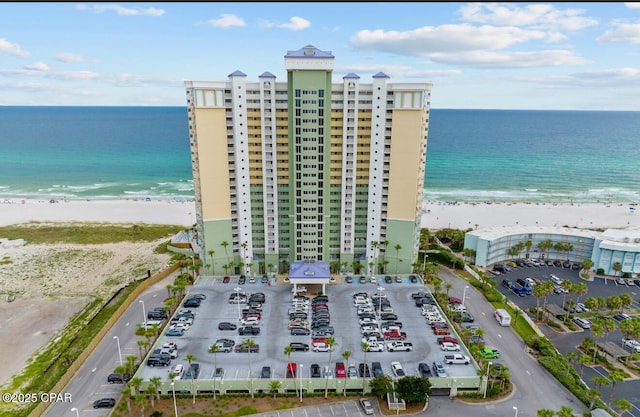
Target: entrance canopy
(309,272)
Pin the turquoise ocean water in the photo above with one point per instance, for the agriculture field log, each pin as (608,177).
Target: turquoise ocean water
(472,155)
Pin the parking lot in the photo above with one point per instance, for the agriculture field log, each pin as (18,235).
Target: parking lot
(275,336)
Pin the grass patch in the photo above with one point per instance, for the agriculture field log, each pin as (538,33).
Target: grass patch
(88,233)
(46,368)
(244,411)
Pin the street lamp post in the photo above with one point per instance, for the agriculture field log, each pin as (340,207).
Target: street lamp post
(144,313)
(487,383)
(464,294)
(237,290)
(119,351)
(424,261)
(175,405)
(380,290)
(516,408)
(77,412)
(300,381)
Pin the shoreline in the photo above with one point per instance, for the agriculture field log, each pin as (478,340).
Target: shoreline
(435,215)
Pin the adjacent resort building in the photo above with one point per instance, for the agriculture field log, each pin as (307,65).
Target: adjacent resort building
(307,169)
(606,249)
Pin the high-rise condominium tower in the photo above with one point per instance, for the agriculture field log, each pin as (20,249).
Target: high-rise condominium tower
(308,169)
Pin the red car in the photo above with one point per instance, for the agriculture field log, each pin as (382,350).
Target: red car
(441,330)
(226,280)
(340,371)
(292,367)
(395,335)
(448,339)
(454,300)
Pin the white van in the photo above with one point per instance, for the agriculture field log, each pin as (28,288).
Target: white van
(502,317)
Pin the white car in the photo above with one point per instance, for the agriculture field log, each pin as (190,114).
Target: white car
(368,328)
(367,320)
(450,347)
(555,279)
(178,370)
(397,369)
(181,325)
(374,280)
(321,347)
(376,347)
(631,345)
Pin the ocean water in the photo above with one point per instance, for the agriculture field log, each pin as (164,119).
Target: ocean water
(472,155)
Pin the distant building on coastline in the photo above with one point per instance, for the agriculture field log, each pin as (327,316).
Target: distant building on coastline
(307,169)
(605,249)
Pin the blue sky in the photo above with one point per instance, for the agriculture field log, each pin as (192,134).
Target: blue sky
(581,56)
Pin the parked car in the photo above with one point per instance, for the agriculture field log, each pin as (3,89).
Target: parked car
(376,369)
(397,369)
(507,283)
(104,403)
(118,379)
(292,369)
(300,331)
(315,371)
(244,348)
(352,372)
(175,332)
(340,370)
(363,370)
(299,347)
(367,407)
(424,369)
(438,369)
(249,330)
(226,280)
(582,322)
(227,326)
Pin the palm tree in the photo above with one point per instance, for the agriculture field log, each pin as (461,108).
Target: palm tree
(543,412)
(528,244)
(249,344)
(538,292)
(513,251)
(597,331)
(154,385)
(600,381)
(142,345)
(615,376)
(190,358)
(365,349)
(571,356)
(587,264)
(397,247)
(582,361)
(211,252)
(274,386)
(384,243)
(625,301)
(617,267)
(592,395)
(374,247)
(214,348)
(448,286)
(565,411)
(287,351)
(623,405)
(130,363)
(225,244)
(346,355)
(579,290)
(331,341)
(244,246)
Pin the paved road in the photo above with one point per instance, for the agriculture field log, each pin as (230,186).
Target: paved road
(535,388)
(90,382)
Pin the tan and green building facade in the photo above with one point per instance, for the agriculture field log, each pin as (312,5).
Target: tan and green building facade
(308,169)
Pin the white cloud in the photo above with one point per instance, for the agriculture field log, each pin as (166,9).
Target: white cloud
(632,5)
(493,59)
(122,11)
(295,23)
(622,32)
(37,66)
(69,57)
(445,38)
(227,21)
(12,48)
(534,15)
(609,76)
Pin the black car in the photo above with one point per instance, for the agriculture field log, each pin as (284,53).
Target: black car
(413,279)
(424,369)
(159,360)
(199,296)
(463,318)
(349,279)
(508,284)
(557,263)
(299,347)
(157,315)
(265,279)
(104,403)
(376,368)
(243,348)
(422,301)
(299,331)
(315,371)
(249,330)
(242,280)
(362,279)
(389,316)
(363,370)
(321,299)
(258,297)
(266,372)
(388,279)
(118,379)
(192,371)
(227,326)
(192,302)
